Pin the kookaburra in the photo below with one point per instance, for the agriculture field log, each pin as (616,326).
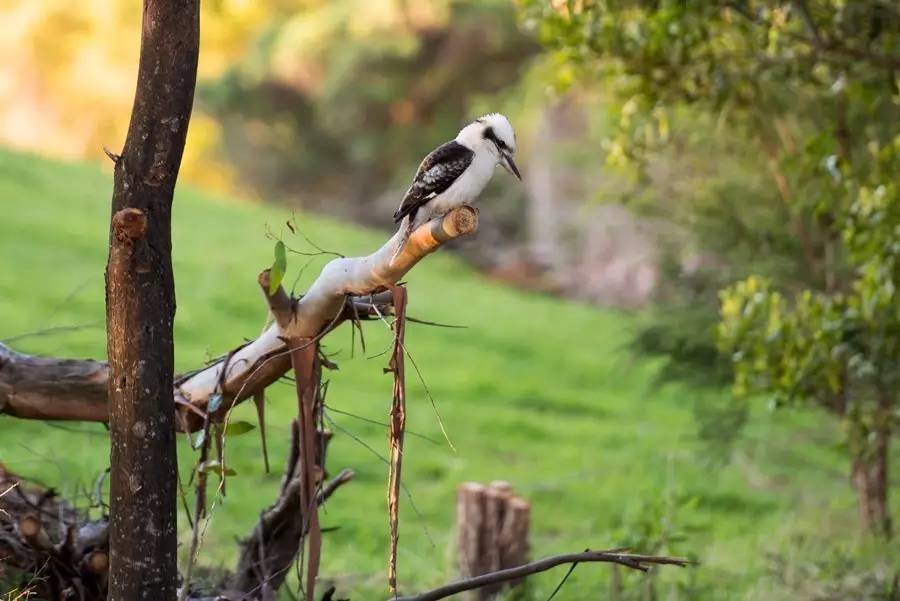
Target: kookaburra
(456,172)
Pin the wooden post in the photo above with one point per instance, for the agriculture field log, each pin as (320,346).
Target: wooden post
(492,532)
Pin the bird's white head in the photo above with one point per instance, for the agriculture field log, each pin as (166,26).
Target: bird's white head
(492,133)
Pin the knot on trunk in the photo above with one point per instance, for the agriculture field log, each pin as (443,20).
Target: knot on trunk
(129,225)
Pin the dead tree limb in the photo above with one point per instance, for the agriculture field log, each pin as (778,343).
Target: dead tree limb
(635,562)
(30,386)
(323,306)
(48,388)
(271,547)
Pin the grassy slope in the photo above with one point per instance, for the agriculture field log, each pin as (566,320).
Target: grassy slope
(535,391)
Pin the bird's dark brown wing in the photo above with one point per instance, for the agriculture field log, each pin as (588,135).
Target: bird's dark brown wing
(436,173)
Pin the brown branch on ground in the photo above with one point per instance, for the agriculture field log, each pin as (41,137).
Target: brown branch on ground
(629,560)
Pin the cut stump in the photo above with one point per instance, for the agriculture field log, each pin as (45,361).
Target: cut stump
(492,532)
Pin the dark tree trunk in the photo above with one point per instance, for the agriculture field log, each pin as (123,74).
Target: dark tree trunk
(870,475)
(140,298)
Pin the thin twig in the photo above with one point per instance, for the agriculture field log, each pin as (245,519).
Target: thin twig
(386,461)
(563,581)
(202,475)
(199,507)
(112,156)
(52,330)
(425,322)
(363,418)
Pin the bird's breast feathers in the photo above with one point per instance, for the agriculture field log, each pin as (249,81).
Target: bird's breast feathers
(467,186)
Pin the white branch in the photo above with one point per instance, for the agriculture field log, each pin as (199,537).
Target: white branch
(29,385)
(324,301)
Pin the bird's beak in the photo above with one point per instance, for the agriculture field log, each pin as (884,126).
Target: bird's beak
(509,164)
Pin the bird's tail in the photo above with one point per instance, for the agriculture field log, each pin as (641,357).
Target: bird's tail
(407,209)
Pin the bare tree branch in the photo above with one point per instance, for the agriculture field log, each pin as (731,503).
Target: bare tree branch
(635,562)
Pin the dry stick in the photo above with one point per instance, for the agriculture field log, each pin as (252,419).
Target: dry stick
(635,562)
(398,426)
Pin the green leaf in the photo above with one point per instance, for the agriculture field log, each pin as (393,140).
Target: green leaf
(198,442)
(209,466)
(213,466)
(279,267)
(238,428)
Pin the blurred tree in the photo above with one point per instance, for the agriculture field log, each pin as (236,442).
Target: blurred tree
(735,93)
(334,99)
(809,89)
(838,350)
(67,78)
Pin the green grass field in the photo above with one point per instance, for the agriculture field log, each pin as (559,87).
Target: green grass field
(536,391)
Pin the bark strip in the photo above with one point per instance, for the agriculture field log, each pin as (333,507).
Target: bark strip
(398,428)
(307,371)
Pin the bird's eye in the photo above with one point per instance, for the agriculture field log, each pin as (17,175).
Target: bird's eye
(490,135)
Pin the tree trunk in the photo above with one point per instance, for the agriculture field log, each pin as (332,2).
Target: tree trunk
(141,308)
(870,475)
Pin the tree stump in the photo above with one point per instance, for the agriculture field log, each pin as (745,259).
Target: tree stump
(492,532)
